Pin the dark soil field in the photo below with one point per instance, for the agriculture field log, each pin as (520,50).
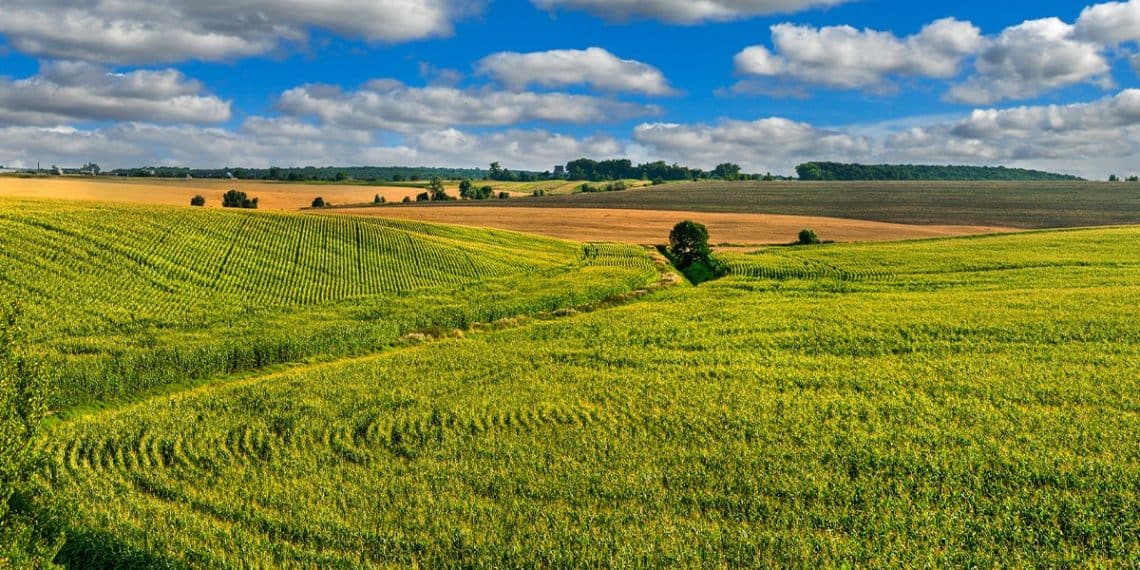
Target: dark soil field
(1000,204)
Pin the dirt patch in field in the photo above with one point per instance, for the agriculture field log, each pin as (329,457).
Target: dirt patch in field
(272,196)
(653,226)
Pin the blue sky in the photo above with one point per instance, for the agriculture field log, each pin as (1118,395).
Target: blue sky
(533,83)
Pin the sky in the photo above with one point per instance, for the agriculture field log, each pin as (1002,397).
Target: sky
(767,84)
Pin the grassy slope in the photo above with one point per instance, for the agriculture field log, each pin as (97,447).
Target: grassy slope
(974,404)
(134,298)
(999,204)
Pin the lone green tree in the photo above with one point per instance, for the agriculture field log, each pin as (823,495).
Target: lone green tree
(808,237)
(198,201)
(689,243)
(319,202)
(466,189)
(26,536)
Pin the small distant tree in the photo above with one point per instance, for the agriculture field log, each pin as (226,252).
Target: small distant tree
(238,199)
(1113,178)
(341,176)
(407,199)
(423,197)
(466,189)
(504,195)
(689,243)
(808,237)
(378,200)
(538,192)
(1134,178)
(437,190)
(484,193)
(198,201)
(318,202)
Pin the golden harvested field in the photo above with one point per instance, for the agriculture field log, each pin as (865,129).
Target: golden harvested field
(653,226)
(272,195)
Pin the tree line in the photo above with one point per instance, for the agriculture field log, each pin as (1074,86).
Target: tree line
(623,168)
(816,171)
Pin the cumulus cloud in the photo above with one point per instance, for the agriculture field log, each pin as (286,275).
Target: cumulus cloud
(156,31)
(70,91)
(847,58)
(1032,58)
(262,142)
(686,11)
(1101,132)
(391,105)
(1110,23)
(764,145)
(594,66)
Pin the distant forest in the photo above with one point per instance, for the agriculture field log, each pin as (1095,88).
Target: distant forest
(595,171)
(581,169)
(815,171)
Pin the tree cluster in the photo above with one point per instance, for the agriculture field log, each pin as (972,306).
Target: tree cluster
(468,191)
(238,199)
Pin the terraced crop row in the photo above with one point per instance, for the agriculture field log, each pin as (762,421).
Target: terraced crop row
(127,298)
(726,425)
(934,260)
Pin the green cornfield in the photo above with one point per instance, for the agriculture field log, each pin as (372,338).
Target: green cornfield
(127,300)
(951,403)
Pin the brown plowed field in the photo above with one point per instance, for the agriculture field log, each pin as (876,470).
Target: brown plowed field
(652,226)
(272,196)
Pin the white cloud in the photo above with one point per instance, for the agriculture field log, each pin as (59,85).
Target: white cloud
(1110,23)
(686,11)
(559,68)
(1091,138)
(847,58)
(773,144)
(1032,58)
(391,105)
(531,149)
(69,91)
(154,31)
(262,142)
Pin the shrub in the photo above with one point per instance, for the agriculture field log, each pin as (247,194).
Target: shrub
(378,200)
(504,195)
(658,181)
(319,202)
(237,199)
(423,197)
(198,201)
(407,199)
(808,237)
(538,193)
(689,243)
